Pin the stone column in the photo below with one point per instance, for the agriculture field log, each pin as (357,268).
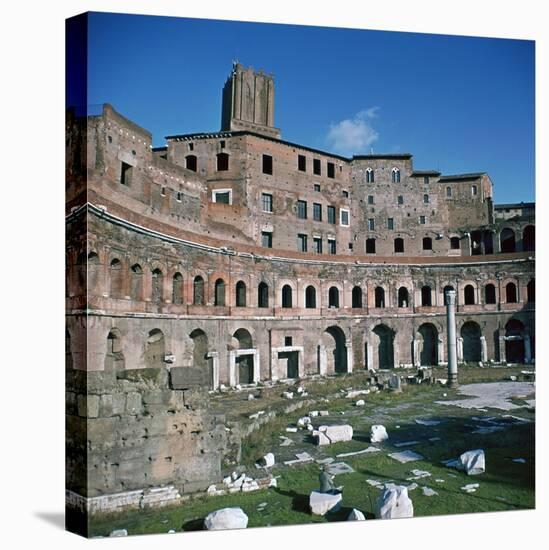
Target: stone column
(502,356)
(214,356)
(323,367)
(349,348)
(440,352)
(370,358)
(232,368)
(257,370)
(527,349)
(483,350)
(416,357)
(460,350)
(451,325)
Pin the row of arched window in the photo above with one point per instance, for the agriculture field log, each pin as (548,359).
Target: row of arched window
(370,175)
(222,162)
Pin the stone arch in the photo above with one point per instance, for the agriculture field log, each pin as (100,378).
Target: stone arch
(310,297)
(222,163)
(385,347)
(356,297)
(514,341)
(155,349)
(219,292)
(507,240)
(426,298)
(136,282)
(199,341)
(199,298)
(157,285)
(379,294)
(114,358)
(94,270)
(511,294)
(334,340)
(333,297)
(472,347)
(403,297)
(191,163)
(455,243)
(529,238)
(242,339)
(469,295)
(240,298)
(287,296)
(177,288)
(428,355)
(490,294)
(116,279)
(263,295)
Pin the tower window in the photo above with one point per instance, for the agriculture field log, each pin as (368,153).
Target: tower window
(331,246)
(316,187)
(448,192)
(331,169)
(316,167)
(302,163)
(317,212)
(302,243)
(426,180)
(267,202)
(266,239)
(331,214)
(370,246)
(422,220)
(302,210)
(267,164)
(390,223)
(369,175)
(126,174)
(371,224)
(191,162)
(425,199)
(343,217)
(370,199)
(427,243)
(317,245)
(474,190)
(222,162)
(395,175)
(400,199)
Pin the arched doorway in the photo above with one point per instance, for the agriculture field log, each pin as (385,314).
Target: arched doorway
(157,284)
(199,341)
(114,359)
(219,293)
(333,297)
(244,363)
(136,282)
(336,351)
(356,297)
(529,238)
(469,295)
(287,296)
(428,355)
(403,300)
(472,349)
(116,279)
(385,347)
(514,341)
(310,297)
(507,240)
(262,295)
(155,349)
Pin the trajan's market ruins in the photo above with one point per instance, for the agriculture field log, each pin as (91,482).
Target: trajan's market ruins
(233,258)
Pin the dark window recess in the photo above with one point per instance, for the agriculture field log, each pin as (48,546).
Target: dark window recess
(178,196)
(400,199)
(288,341)
(426,180)
(317,212)
(267,202)
(302,163)
(191,146)
(345,194)
(316,187)
(331,214)
(262,295)
(302,210)
(370,199)
(267,164)
(399,245)
(316,167)
(331,246)
(302,243)
(427,243)
(191,162)
(350,246)
(222,144)
(222,162)
(222,197)
(163,191)
(454,243)
(390,223)
(331,170)
(317,245)
(126,174)
(370,246)
(266,239)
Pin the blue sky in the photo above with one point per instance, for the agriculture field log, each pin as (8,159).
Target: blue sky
(458,104)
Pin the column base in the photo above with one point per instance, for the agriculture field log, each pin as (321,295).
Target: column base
(453,381)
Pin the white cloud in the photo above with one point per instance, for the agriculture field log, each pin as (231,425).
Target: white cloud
(354,136)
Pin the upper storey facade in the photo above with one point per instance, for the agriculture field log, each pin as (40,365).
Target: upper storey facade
(247,187)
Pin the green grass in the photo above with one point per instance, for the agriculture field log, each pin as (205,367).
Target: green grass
(506,485)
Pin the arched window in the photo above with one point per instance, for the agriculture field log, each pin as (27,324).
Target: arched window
(136,274)
(426,296)
(198,291)
(454,243)
(469,295)
(380,296)
(490,294)
(333,297)
(157,282)
(403,300)
(191,162)
(116,279)
(262,295)
(219,295)
(357,297)
(241,294)
(395,175)
(310,297)
(445,290)
(286,296)
(177,288)
(507,240)
(427,243)
(511,293)
(529,238)
(222,162)
(399,245)
(369,175)
(370,246)
(114,358)
(531,291)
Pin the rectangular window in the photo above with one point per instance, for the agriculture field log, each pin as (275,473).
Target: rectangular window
(422,220)
(474,190)
(302,163)
(178,196)
(316,187)
(425,199)
(370,246)
(267,164)
(163,192)
(331,214)
(267,202)
(370,199)
(331,246)
(302,210)
(302,243)
(191,146)
(317,212)
(390,223)
(266,239)
(371,224)
(345,194)
(426,180)
(331,170)
(288,341)
(448,192)
(126,174)
(223,196)
(400,199)
(222,144)
(317,245)
(316,167)
(343,217)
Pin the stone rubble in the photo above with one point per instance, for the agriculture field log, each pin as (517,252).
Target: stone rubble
(322,503)
(378,433)
(226,518)
(406,456)
(326,435)
(394,503)
(356,515)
